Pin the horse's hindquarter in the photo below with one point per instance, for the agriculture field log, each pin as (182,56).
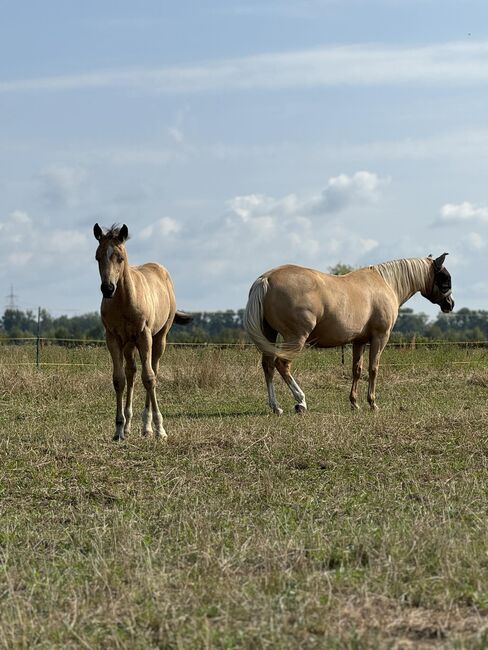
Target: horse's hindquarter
(154,295)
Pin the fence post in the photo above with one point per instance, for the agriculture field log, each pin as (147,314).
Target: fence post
(342,354)
(38,342)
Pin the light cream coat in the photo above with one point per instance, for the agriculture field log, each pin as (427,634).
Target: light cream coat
(307,306)
(137,310)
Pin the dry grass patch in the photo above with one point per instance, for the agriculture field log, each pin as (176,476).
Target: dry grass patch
(244,530)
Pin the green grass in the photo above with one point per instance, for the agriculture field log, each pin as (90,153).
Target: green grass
(244,530)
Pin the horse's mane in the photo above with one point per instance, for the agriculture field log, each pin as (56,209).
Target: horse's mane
(114,231)
(405,276)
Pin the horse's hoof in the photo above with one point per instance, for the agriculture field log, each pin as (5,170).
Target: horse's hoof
(355,406)
(118,437)
(277,410)
(300,409)
(162,435)
(374,407)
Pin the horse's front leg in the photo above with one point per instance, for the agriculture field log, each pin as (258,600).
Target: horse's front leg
(118,378)
(357,366)
(376,347)
(130,371)
(144,345)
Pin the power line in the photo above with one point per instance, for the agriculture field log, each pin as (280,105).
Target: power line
(11,298)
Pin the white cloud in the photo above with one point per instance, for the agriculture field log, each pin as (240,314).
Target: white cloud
(21,240)
(161,228)
(18,216)
(61,185)
(450,63)
(340,192)
(258,231)
(463,212)
(474,241)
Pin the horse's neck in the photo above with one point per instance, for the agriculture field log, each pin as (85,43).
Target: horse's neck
(406,276)
(126,288)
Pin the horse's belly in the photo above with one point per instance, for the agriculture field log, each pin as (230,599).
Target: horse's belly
(330,334)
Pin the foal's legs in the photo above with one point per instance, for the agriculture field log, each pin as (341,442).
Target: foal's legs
(268,363)
(118,378)
(130,371)
(144,344)
(283,366)
(357,366)
(376,347)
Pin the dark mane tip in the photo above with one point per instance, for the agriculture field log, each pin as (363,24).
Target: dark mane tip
(114,231)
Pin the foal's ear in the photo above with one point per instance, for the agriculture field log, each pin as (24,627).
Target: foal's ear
(123,234)
(439,261)
(97,231)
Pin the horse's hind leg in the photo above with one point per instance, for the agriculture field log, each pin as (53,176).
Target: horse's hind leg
(357,366)
(376,347)
(145,344)
(268,363)
(283,366)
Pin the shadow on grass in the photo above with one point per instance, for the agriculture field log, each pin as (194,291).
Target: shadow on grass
(201,415)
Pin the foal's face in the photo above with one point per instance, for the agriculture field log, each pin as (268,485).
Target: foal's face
(441,292)
(111,257)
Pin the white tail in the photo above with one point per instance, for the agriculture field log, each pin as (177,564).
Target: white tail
(253,323)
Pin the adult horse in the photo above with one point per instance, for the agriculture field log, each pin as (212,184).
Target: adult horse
(307,306)
(138,309)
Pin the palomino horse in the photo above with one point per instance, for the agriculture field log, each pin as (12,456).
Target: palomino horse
(138,309)
(307,306)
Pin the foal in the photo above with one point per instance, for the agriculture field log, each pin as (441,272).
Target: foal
(138,309)
(307,306)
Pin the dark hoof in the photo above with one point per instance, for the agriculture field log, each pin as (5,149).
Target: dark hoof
(117,437)
(300,409)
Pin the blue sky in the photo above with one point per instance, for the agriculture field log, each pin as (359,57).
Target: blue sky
(235,136)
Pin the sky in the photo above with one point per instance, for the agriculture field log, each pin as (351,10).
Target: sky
(233,136)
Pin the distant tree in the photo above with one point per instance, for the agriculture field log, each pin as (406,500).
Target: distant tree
(340,269)
(409,323)
(17,323)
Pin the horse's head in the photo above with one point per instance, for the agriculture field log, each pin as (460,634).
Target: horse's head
(111,256)
(441,291)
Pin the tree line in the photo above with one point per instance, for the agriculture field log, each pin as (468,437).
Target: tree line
(227,326)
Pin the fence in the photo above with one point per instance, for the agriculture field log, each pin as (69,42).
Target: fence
(35,348)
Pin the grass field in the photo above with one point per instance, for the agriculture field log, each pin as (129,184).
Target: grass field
(330,530)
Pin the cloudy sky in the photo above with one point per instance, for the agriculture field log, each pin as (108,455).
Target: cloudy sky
(232,136)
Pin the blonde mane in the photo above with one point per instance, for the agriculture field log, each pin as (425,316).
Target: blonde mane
(406,276)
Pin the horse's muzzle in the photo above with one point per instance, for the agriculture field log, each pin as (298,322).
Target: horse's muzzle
(108,289)
(447,305)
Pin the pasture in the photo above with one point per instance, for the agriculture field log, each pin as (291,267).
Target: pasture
(244,530)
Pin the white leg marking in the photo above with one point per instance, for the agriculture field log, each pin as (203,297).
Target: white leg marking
(298,393)
(128,418)
(158,424)
(147,428)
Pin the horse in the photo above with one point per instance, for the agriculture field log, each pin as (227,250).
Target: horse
(138,309)
(307,306)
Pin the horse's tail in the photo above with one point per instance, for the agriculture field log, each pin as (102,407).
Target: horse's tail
(181,318)
(254,322)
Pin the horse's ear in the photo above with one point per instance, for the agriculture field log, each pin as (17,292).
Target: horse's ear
(123,234)
(97,231)
(439,261)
